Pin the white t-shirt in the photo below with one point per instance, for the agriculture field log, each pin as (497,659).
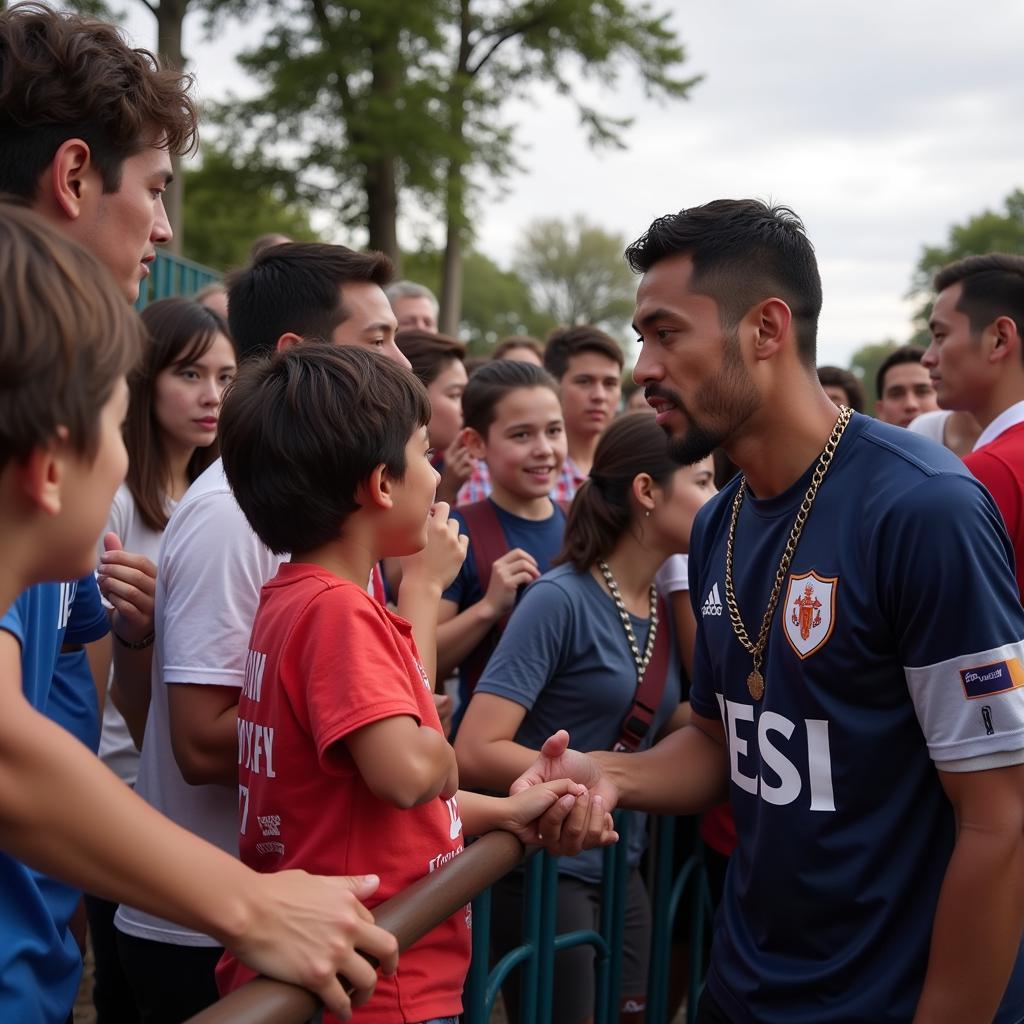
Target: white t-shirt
(674,575)
(209,575)
(117,750)
(931,424)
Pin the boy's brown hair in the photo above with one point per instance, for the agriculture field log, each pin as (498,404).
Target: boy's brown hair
(302,429)
(66,336)
(491,383)
(565,342)
(64,76)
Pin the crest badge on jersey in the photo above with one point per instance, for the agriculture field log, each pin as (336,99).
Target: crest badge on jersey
(809,612)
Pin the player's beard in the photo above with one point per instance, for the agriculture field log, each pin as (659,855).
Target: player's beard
(726,401)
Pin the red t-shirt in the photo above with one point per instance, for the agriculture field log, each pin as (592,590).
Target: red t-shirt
(999,465)
(326,659)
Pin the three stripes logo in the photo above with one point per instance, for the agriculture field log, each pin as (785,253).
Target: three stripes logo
(713,604)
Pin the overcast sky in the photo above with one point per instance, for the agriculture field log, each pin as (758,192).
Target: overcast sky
(880,123)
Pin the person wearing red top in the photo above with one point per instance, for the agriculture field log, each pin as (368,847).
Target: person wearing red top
(341,757)
(976,362)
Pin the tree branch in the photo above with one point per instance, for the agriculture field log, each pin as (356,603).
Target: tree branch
(503,35)
(151,7)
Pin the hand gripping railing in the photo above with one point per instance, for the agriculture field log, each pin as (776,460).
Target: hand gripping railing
(408,916)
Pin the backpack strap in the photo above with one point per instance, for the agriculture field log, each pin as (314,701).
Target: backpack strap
(640,717)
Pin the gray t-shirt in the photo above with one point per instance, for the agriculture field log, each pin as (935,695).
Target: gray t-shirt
(564,657)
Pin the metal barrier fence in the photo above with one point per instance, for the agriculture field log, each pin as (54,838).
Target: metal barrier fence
(173,275)
(414,912)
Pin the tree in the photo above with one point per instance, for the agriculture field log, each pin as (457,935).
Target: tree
(865,363)
(988,231)
(497,302)
(373,100)
(576,273)
(228,206)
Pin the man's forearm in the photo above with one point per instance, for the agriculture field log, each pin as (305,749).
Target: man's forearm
(977,930)
(685,773)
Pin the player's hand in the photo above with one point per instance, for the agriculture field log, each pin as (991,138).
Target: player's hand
(556,800)
(458,468)
(445,706)
(128,582)
(305,929)
(585,823)
(442,556)
(513,570)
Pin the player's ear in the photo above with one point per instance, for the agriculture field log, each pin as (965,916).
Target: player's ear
(1005,341)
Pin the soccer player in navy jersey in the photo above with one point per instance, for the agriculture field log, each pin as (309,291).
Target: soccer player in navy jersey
(860,696)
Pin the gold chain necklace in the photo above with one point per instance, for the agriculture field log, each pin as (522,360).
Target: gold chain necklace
(640,660)
(755,681)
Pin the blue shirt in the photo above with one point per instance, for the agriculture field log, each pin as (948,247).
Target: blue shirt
(40,963)
(896,643)
(565,658)
(542,538)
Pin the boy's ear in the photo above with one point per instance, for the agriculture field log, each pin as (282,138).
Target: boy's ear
(474,443)
(41,476)
(287,340)
(376,490)
(67,175)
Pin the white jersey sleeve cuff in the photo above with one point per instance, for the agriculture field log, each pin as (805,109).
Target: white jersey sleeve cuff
(984,762)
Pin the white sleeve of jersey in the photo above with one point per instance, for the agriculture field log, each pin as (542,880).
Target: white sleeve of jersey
(971,706)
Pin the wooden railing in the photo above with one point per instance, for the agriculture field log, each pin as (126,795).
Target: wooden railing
(408,916)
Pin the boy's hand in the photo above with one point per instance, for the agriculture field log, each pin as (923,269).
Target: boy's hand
(128,582)
(458,467)
(554,802)
(306,929)
(442,556)
(580,829)
(508,574)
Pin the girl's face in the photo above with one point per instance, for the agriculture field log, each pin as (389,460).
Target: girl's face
(186,396)
(690,488)
(445,392)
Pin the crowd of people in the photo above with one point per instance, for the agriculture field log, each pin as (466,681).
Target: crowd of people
(327,597)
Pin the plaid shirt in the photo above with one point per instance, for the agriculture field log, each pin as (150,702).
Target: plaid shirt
(478,486)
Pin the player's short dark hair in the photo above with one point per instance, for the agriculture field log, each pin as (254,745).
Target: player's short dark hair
(602,511)
(565,342)
(743,251)
(897,357)
(492,382)
(301,429)
(991,286)
(66,336)
(837,377)
(64,76)
(296,288)
(429,353)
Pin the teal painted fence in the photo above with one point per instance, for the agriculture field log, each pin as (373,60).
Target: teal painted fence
(173,275)
(533,963)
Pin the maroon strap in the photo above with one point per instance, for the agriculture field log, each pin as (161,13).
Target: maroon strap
(489,543)
(640,717)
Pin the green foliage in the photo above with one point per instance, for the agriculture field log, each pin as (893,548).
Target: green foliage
(359,96)
(496,302)
(865,363)
(228,206)
(988,231)
(576,273)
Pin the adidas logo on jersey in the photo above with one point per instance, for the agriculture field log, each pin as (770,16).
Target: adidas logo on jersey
(713,604)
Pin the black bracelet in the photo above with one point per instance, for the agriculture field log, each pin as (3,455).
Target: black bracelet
(134,645)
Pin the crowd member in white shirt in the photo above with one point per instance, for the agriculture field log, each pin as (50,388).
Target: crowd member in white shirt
(171,438)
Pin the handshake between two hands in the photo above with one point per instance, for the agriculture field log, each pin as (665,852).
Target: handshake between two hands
(563,802)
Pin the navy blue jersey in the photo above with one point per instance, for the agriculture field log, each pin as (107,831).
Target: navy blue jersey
(896,646)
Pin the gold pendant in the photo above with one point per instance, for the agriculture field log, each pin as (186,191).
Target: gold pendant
(755,684)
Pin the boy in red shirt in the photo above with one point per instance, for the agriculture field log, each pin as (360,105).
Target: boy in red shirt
(343,765)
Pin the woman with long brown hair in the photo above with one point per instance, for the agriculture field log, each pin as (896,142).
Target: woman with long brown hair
(587,641)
